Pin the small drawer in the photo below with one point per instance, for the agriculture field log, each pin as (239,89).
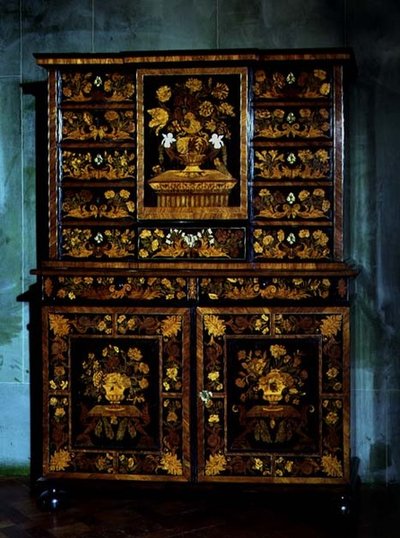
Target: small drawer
(91,86)
(97,243)
(191,243)
(294,164)
(294,122)
(277,84)
(94,289)
(98,204)
(95,125)
(293,204)
(292,243)
(97,165)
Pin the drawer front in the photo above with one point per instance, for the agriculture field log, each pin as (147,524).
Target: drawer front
(272,395)
(192,243)
(98,204)
(275,84)
(293,204)
(97,243)
(98,164)
(293,122)
(293,243)
(92,86)
(292,164)
(97,125)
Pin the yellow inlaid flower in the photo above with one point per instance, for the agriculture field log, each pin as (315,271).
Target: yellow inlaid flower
(159,118)
(220,91)
(59,325)
(332,373)
(191,125)
(135,354)
(258,464)
(124,194)
(213,376)
(194,84)
(164,93)
(60,460)
(331,418)
(215,465)
(172,373)
(171,326)
(332,466)
(331,325)
(226,109)
(325,88)
(320,73)
(277,351)
(214,325)
(170,463)
(206,109)
(59,412)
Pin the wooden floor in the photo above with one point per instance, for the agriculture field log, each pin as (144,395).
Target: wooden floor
(101,511)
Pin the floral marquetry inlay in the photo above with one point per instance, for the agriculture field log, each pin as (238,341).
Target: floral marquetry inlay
(313,84)
(300,123)
(286,244)
(126,402)
(193,295)
(117,288)
(305,204)
(88,204)
(89,243)
(298,164)
(269,289)
(203,243)
(109,165)
(89,86)
(263,419)
(98,126)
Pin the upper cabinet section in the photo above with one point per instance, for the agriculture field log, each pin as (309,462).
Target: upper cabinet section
(220,157)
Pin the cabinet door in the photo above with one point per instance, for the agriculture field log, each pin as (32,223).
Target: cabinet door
(273,394)
(116,393)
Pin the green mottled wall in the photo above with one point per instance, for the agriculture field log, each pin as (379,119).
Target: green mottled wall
(370,27)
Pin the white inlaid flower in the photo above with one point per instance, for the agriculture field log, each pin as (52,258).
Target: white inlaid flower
(291,239)
(167,140)
(291,198)
(216,140)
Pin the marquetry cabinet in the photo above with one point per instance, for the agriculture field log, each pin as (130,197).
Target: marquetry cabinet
(194,299)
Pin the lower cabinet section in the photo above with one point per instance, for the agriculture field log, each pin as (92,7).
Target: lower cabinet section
(225,394)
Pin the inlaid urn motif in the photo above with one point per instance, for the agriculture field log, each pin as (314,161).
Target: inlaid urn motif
(273,384)
(114,385)
(192,121)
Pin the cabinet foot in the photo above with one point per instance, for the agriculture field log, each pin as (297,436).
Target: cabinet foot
(348,500)
(52,498)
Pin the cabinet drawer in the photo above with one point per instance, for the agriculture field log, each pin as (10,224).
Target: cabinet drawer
(100,204)
(293,122)
(97,125)
(94,86)
(299,164)
(293,243)
(97,165)
(270,83)
(97,243)
(293,204)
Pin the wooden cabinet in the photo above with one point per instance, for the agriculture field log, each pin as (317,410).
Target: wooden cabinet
(194,296)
